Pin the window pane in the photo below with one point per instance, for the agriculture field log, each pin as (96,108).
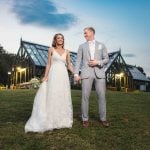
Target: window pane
(36,54)
(41,47)
(42,55)
(35,59)
(27,46)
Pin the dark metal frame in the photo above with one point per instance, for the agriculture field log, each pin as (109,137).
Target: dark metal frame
(118,66)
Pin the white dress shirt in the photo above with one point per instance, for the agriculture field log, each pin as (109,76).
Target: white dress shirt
(92,48)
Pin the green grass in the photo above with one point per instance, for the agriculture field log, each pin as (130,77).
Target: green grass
(128,113)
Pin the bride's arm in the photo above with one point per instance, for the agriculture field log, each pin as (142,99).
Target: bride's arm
(48,65)
(69,66)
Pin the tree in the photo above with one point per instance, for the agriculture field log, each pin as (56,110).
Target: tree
(141,70)
(6,61)
(2,51)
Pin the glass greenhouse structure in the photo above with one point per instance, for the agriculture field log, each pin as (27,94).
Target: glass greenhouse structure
(31,60)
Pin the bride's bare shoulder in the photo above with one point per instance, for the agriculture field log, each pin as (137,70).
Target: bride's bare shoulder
(50,50)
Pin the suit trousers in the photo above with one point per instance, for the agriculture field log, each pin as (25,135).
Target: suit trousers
(100,86)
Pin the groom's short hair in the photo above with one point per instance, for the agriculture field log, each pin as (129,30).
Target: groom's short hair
(90,28)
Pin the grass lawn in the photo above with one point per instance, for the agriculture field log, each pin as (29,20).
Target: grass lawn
(128,113)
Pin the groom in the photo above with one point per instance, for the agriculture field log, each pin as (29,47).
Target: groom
(92,56)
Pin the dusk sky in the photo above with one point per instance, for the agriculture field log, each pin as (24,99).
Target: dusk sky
(119,24)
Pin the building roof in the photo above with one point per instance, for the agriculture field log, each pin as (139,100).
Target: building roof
(112,57)
(39,53)
(137,74)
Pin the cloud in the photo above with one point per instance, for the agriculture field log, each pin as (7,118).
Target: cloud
(42,13)
(128,55)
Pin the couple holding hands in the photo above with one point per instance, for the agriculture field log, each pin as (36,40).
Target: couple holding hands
(52,107)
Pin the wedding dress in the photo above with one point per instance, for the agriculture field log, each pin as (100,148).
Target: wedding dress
(52,107)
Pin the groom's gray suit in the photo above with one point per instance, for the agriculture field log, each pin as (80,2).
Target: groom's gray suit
(90,74)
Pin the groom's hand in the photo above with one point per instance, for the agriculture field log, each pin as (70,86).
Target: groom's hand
(93,63)
(77,78)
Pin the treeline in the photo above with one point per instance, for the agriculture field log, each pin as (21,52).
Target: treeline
(6,61)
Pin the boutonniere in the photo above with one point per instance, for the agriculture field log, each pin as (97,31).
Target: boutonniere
(100,46)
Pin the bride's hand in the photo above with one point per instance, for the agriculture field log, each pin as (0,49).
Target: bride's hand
(44,79)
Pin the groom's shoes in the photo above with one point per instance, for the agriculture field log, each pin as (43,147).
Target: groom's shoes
(85,124)
(105,124)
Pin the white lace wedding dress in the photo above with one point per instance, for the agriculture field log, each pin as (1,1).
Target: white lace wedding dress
(52,107)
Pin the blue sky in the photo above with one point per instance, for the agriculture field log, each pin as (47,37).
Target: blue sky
(121,24)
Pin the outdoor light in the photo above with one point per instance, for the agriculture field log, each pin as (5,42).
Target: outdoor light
(18,68)
(21,71)
(9,79)
(121,74)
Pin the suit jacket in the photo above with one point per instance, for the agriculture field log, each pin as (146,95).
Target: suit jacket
(83,56)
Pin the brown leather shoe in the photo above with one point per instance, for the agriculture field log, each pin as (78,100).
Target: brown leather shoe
(105,124)
(85,124)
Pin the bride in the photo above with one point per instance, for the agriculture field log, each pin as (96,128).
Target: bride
(52,107)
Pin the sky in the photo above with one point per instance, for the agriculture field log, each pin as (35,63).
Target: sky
(119,24)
